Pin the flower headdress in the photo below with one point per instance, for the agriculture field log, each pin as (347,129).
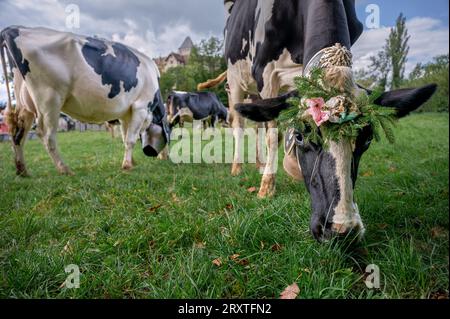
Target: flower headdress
(328,108)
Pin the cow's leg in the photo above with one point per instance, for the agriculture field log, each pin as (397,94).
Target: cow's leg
(124,123)
(50,128)
(237,96)
(214,120)
(23,125)
(267,188)
(260,127)
(133,127)
(124,128)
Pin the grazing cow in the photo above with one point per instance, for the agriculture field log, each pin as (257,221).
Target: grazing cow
(111,127)
(66,124)
(199,106)
(268,44)
(90,79)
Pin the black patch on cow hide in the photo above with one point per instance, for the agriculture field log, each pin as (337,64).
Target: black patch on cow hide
(302,27)
(113,69)
(15,55)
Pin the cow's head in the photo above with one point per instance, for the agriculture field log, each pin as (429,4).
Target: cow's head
(175,101)
(330,174)
(156,135)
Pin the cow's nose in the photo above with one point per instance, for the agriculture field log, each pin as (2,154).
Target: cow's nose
(351,231)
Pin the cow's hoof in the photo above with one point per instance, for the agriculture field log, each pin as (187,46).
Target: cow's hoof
(23,174)
(236,170)
(21,170)
(127,166)
(260,166)
(65,171)
(267,188)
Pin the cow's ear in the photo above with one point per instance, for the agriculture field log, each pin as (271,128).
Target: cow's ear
(406,100)
(267,109)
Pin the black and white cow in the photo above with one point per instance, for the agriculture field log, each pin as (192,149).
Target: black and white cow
(268,44)
(199,106)
(90,79)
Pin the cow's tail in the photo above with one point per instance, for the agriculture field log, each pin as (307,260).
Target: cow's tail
(10,114)
(213,82)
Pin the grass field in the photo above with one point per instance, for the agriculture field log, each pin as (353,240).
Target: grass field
(154,232)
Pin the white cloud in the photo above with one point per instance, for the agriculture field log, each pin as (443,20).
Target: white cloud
(155,45)
(429,38)
(3,96)
(155,27)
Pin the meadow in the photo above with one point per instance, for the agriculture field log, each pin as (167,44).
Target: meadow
(169,230)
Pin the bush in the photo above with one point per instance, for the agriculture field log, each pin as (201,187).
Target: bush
(433,72)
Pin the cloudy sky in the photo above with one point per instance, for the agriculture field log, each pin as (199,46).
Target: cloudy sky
(157,27)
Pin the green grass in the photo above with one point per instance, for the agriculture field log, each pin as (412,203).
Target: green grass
(127,249)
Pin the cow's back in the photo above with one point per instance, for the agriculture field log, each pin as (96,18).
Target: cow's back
(97,79)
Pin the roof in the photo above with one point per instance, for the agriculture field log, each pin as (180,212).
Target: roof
(177,56)
(187,44)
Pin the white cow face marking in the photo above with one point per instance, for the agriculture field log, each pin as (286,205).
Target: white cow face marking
(330,177)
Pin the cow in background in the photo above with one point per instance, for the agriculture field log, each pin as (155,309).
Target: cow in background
(90,79)
(111,127)
(200,106)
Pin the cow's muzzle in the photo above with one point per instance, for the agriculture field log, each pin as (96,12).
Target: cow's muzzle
(153,140)
(351,230)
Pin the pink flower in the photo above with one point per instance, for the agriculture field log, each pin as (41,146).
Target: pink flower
(315,110)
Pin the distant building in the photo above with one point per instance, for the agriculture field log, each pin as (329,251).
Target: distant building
(186,48)
(176,59)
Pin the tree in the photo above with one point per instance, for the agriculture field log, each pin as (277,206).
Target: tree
(380,68)
(436,71)
(397,50)
(389,63)
(366,79)
(205,62)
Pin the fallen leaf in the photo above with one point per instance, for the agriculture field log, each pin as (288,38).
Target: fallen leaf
(439,295)
(368,174)
(200,245)
(154,208)
(217,262)
(175,198)
(194,189)
(235,257)
(229,206)
(392,169)
(276,247)
(291,292)
(307,270)
(243,262)
(252,189)
(438,232)
(67,248)
(383,226)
